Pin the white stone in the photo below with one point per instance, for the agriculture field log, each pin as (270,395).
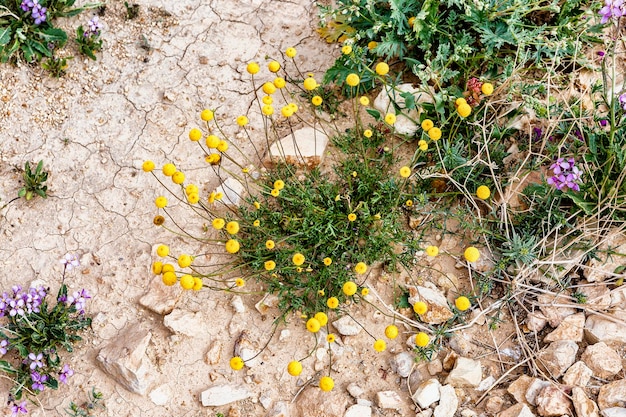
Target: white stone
(448,402)
(578,375)
(460,343)
(486,383)
(438,311)
(224,394)
(214,353)
(161,395)
(250,356)
(185,322)
(355,390)
(266,399)
(237,304)
(267,302)
(583,406)
(363,401)
(125,360)
(279,409)
(425,413)
(614,412)
(552,401)
(388,399)
(601,329)
(402,363)
(159,297)
(304,146)
(517,410)
(602,360)
(548,304)
(466,373)
(404,124)
(612,394)
(571,328)
(232,191)
(536,321)
(427,393)
(434,366)
(533,390)
(285,334)
(519,387)
(347,326)
(358,410)
(557,357)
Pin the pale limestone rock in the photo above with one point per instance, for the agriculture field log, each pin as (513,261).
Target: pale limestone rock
(355,390)
(438,310)
(125,360)
(161,395)
(159,297)
(232,191)
(466,373)
(571,328)
(237,304)
(450,360)
(448,402)
(435,366)
(214,353)
(266,399)
(602,360)
(518,410)
(614,412)
(402,363)
(555,314)
(425,413)
(598,295)
(494,404)
(578,375)
(224,394)
(536,321)
(486,383)
(612,394)
(185,322)
(280,409)
(583,406)
(266,303)
(557,357)
(603,329)
(358,410)
(388,399)
(303,147)
(460,343)
(347,326)
(405,120)
(534,389)
(519,387)
(427,393)
(552,401)
(467,412)
(602,267)
(313,403)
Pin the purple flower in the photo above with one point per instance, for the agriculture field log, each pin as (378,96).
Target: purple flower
(78,299)
(613,9)
(566,175)
(603,122)
(36,361)
(27,5)
(65,373)
(18,409)
(622,101)
(3,346)
(70,260)
(93,27)
(38,380)
(601,54)
(537,133)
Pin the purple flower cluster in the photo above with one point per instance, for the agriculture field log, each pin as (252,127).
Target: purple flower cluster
(622,101)
(17,409)
(37,11)
(38,380)
(566,174)
(78,299)
(70,261)
(93,27)
(3,346)
(65,373)
(613,9)
(20,303)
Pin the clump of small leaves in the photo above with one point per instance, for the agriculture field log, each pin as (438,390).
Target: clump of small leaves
(34,182)
(132,10)
(89,407)
(88,40)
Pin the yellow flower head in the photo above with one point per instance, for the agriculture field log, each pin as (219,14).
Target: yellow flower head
(232,246)
(349,288)
(193,198)
(157,267)
(279,184)
(423,145)
(391,331)
(291,52)
(353,80)
(240,282)
(346,49)
(360,268)
(427,124)
(368,133)
(218,223)
(212,141)
(147,166)
(256,223)
(269,88)
(267,99)
(242,120)
(332,302)
(317,100)
(257,205)
(371,45)
(434,133)
(459,101)
(420,307)
(169,278)
(382,68)
(186,281)
(191,188)
(298,259)
(273,66)
(351,217)
(462,303)
(169,170)
(483,192)
(197,284)
(405,172)
(294,368)
(195,135)
(471,254)
(330,338)
(160,202)
(390,118)
(168,268)
(380,345)
(178,177)
(286,111)
(236,363)
(218,196)
(408,203)
(163,251)
(252,68)
(313,325)
(327,261)
(487,89)
(464,110)
(310,84)
(207,115)
(269,265)
(275,192)
(321,317)
(293,106)
(222,146)
(267,109)
(365,291)
(232,227)
(432,251)
(364,100)
(279,82)
(270,244)
(184,260)
(326,383)
(422,339)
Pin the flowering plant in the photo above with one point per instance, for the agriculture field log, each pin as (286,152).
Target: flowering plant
(89,40)
(32,332)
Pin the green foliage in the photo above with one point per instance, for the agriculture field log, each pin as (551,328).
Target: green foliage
(88,44)
(55,66)
(89,407)
(34,182)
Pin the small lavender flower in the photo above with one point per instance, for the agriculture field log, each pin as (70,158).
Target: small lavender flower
(18,409)
(78,299)
(93,27)
(37,12)
(70,260)
(613,9)
(537,133)
(566,174)
(622,101)
(603,122)
(38,380)
(27,5)
(3,346)
(36,360)
(65,373)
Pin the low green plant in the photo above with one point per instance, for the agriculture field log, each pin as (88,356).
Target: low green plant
(89,407)
(34,182)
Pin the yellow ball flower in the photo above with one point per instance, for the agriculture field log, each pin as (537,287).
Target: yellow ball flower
(326,383)
(236,363)
(195,135)
(380,345)
(279,184)
(207,115)
(390,118)
(193,198)
(157,267)
(405,172)
(273,66)
(459,101)
(222,146)
(252,68)
(321,317)
(232,246)
(327,261)
(291,52)
(197,284)
(346,49)
(184,260)
(275,192)
(487,89)
(420,307)
(218,223)
(371,45)
(267,99)
(483,192)
(360,268)
(391,331)
(464,110)
(352,80)
(471,254)
(242,120)
(169,278)
(279,82)
(432,251)
(434,133)
(294,368)
(411,21)
(364,100)
(257,205)
(423,145)
(349,288)
(368,133)
(286,111)
(160,202)
(191,188)
(147,166)
(186,281)
(365,292)
(310,84)
(316,100)
(232,227)
(313,325)
(169,170)
(382,68)
(239,282)
(163,251)
(267,110)
(293,106)
(462,303)
(298,259)
(422,339)
(427,124)
(269,88)
(330,338)
(168,268)
(270,244)
(332,302)
(178,178)
(351,217)
(212,141)
(269,265)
